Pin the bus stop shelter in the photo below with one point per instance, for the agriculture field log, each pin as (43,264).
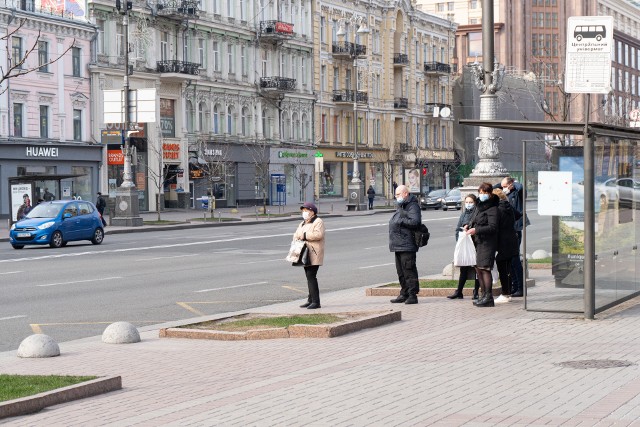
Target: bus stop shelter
(593,237)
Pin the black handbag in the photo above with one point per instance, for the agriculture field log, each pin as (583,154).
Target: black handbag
(304,259)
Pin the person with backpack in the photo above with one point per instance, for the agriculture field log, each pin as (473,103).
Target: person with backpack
(402,241)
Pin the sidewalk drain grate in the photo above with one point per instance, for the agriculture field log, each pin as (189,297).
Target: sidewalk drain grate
(595,364)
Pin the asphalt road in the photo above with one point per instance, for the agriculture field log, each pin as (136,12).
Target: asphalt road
(154,277)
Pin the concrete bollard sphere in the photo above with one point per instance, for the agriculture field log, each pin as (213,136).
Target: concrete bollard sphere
(120,333)
(38,345)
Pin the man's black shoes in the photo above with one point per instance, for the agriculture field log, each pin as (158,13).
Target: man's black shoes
(412,300)
(399,299)
(306,304)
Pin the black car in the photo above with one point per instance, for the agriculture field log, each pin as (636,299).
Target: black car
(452,200)
(433,200)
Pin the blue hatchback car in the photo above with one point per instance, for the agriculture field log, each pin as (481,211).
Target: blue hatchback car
(57,222)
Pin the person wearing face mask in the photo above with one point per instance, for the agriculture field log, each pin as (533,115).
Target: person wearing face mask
(311,230)
(515,194)
(466,272)
(507,244)
(406,219)
(483,227)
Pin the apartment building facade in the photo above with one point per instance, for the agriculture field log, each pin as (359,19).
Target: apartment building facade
(382,81)
(234,99)
(45,111)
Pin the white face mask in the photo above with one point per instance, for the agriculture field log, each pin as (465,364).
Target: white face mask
(305,215)
(506,190)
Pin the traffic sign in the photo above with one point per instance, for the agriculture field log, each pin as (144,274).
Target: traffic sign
(588,54)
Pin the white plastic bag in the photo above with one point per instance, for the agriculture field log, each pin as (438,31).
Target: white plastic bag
(295,250)
(465,253)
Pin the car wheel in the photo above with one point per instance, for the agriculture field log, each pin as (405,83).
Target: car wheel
(56,240)
(444,208)
(98,236)
(458,208)
(64,244)
(17,246)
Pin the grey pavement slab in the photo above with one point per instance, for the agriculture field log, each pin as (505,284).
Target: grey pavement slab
(446,363)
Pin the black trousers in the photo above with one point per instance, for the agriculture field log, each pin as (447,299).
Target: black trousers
(407,273)
(504,271)
(311,272)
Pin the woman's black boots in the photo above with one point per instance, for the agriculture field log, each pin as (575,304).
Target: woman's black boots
(487,298)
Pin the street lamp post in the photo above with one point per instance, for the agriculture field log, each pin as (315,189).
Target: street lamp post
(127,210)
(355,188)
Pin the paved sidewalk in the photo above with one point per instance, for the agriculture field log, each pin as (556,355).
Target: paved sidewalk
(446,363)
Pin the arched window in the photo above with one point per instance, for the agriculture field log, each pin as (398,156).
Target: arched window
(190,116)
(202,114)
(266,127)
(306,126)
(245,122)
(231,127)
(216,119)
(295,127)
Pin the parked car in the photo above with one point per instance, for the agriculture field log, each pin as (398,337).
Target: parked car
(57,222)
(453,200)
(433,200)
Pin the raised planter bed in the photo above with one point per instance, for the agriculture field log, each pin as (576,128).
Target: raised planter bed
(348,322)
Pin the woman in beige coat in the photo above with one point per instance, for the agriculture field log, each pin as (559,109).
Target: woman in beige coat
(311,230)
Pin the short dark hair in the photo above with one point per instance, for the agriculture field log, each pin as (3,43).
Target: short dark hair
(472,197)
(486,188)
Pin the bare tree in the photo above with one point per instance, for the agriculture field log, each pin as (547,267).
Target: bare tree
(16,65)
(215,164)
(257,149)
(158,175)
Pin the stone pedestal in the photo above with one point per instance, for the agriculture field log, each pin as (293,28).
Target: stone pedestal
(356,197)
(126,208)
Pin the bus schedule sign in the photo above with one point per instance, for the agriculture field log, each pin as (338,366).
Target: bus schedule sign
(588,58)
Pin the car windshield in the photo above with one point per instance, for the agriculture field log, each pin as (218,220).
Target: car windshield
(45,210)
(453,193)
(437,193)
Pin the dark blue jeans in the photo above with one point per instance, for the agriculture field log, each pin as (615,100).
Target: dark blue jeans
(407,273)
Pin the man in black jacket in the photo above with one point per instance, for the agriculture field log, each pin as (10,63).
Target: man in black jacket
(515,193)
(402,225)
(101,205)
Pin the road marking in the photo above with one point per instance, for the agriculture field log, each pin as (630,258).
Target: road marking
(376,247)
(37,327)
(11,272)
(191,309)
(167,257)
(378,265)
(259,262)
(13,317)
(79,281)
(231,287)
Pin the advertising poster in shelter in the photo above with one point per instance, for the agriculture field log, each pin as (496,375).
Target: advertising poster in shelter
(20,195)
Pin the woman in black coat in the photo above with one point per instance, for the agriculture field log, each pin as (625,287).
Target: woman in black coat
(507,244)
(484,229)
(466,272)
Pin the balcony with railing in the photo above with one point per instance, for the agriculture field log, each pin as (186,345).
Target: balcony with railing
(277,85)
(400,59)
(437,68)
(401,103)
(276,30)
(438,110)
(348,50)
(347,96)
(178,67)
(178,9)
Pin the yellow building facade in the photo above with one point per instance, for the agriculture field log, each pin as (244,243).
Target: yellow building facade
(382,78)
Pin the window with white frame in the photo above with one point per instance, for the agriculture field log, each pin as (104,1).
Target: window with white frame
(336,129)
(323,128)
(334,31)
(185,48)
(217,8)
(323,78)
(295,127)
(17,119)
(216,56)
(244,61)
(303,70)
(323,29)
(77,125)
(336,78)
(100,47)
(266,128)
(230,54)
(443,140)
(216,119)
(230,8)
(265,62)
(75,62)
(202,113)
(418,135)
(119,40)
(436,143)
(191,116)
(417,52)
(44,121)
(43,56)
(244,121)
(294,66)
(164,46)
(243,10)
(231,126)
(201,52)
(426,135)
(306,128)
(418,93)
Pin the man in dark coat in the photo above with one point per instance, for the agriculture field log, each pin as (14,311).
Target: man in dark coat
(515,193)
(101,205)
(371,193)
(402,225)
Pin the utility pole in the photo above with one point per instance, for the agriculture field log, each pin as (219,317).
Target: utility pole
(127,210)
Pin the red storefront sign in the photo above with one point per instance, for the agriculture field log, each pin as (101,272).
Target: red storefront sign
(171,151)
(283,27)
(115,157)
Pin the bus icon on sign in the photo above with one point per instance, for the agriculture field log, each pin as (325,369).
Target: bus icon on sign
(597,32)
